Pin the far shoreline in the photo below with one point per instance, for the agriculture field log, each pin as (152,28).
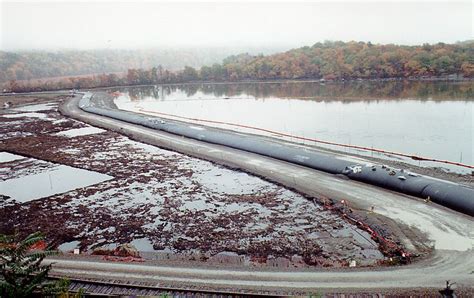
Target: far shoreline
(263,81)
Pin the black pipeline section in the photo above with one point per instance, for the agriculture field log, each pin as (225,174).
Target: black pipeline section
(449,194)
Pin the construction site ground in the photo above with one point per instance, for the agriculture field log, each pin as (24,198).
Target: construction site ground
(184,212)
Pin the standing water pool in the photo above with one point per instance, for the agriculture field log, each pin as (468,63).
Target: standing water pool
(429,119)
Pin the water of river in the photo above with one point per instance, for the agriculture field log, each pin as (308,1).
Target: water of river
(432,119)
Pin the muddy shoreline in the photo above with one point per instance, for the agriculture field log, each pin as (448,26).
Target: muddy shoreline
(384,226)
(110,153)
(39,140)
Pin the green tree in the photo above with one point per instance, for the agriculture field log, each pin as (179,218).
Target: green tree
(444,64)
(205,73)
(189,74)
(21,271)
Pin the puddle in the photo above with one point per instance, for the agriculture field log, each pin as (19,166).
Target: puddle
(60,121)
(28,115)
(69,246)
(444,237)
(223,180)
(83,131)
(362,237)
(36,108)
(72,151)
(47,181)
(196,205)
(143,244)
(7,157)
(24,167)
(14,134)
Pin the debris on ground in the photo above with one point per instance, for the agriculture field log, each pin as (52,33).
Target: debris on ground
(168,205)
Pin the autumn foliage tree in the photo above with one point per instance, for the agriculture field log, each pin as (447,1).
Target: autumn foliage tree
(329,61)
(353,60)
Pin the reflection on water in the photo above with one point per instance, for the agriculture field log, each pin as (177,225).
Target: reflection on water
(349,91)
(433,119)
(40,179)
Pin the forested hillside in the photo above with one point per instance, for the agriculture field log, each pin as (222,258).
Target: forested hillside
(339,60)
(28,65)
(328,61)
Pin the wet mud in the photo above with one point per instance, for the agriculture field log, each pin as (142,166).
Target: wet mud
(168,205)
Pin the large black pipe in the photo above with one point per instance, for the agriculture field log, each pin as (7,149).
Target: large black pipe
(452,195)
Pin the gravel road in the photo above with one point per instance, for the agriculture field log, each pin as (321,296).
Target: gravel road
(432,273)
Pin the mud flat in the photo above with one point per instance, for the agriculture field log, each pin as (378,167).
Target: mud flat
(205,261)
(172,207)
(26,179)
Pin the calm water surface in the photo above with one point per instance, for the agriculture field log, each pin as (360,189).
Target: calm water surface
(431,119)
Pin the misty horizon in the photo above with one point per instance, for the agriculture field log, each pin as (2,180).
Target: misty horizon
(242,26)
(242,49)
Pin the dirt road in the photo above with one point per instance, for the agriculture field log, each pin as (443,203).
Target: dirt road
(451,233)
(432,273)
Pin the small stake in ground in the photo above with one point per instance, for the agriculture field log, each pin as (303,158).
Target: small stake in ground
(448,292)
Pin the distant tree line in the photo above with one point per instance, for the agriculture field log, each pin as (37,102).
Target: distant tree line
(322,61)
(351,60)
(29,65)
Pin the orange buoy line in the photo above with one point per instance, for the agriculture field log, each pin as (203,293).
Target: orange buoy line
(415,157)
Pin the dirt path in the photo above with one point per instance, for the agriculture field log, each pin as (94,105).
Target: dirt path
(450,232)
(432,273)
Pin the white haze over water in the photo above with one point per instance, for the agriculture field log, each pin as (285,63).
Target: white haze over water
(85,25)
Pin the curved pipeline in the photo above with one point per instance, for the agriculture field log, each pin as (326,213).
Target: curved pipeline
(415,157)
(449,194)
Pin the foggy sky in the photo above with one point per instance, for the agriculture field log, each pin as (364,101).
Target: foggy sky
(84,25)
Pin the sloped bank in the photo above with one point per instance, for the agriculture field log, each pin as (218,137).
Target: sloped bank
(449,194)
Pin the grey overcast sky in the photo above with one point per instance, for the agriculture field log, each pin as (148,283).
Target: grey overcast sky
(84,25)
